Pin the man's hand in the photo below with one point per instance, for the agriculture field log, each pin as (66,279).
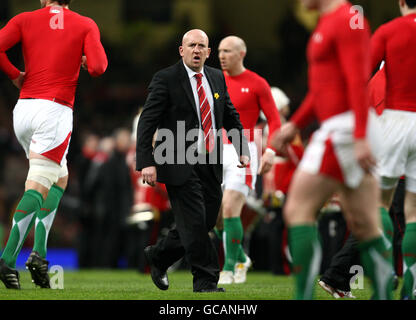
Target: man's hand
(364,155)
(267,161)
(244,161)
(84,64)
(282,137)
(149,175)
(18,82)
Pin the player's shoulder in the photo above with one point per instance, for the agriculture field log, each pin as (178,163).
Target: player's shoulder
(256,78)
(345,19)
(23,16)
(394,24)
(254,75)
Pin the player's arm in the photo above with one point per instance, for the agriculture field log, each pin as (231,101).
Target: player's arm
(268,106)
(95,60)
(377,48)
(10,35)
(303,116)
(352,47)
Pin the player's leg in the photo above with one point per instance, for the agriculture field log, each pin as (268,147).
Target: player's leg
(46,215)
(409,242)
(388,188)
(360,207)
(307,194)
(43,173)
(243,260)
(23,220)
(392,163)
(232,204)
(36,263)
(237,184)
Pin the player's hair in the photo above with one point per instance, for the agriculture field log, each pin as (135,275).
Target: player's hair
(411,3)
(63,2)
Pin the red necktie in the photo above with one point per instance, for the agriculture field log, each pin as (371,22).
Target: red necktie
(205,111)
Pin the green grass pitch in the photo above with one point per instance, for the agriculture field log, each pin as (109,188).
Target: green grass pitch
(132,285)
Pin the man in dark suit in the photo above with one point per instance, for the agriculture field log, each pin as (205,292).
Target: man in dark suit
(188,103)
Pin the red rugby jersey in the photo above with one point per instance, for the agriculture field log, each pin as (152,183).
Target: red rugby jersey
(395,43)
(251,94)
(53,40)
(339,69)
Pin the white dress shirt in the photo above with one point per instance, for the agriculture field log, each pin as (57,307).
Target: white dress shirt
(210,97)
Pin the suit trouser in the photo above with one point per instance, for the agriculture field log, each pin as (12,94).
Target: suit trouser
(195,206)
(338,273)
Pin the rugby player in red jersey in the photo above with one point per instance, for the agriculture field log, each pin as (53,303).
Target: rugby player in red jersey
(56,42)
(342,153)
(394,42)
(250,94)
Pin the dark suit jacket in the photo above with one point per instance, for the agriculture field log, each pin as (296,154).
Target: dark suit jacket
(170,101)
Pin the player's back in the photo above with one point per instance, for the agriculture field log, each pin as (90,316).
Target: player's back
(53,44)
(400,50)
(332,69)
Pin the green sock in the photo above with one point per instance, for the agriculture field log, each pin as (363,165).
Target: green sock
(23,220)
(241,256)
(44,219)
(376,256)
(306,252)
(409,261)
(388,228)
(233,235)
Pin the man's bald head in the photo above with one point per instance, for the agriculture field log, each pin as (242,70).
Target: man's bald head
(194,49)
(194,33)
(235,42)
(231,53)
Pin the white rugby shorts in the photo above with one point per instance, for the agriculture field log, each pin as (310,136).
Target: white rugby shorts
(44,127)
(239,179)
(399,141)
(330,151)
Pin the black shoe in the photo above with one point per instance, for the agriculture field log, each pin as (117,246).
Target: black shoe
(210,290)
(159,277)
(38,268)
(9,276)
